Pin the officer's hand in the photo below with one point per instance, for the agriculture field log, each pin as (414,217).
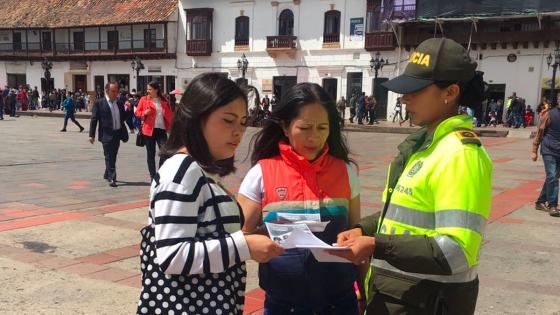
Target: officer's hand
(91,140)
(348,235)
(262,248)
(534,157)
(360,249)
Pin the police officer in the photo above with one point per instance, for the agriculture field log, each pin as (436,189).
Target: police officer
(425,243)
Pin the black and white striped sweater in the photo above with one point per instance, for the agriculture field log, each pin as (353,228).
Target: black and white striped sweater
(187,242)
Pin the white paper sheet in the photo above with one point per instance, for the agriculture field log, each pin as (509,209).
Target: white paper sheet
(300,238)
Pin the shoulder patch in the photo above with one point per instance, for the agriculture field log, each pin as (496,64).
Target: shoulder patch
(467,136)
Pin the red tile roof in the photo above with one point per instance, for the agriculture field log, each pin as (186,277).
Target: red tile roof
(71,13)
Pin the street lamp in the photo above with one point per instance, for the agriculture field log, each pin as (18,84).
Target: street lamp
(47,66)
(137,65)
(242,65)
(554,62)
(377,64)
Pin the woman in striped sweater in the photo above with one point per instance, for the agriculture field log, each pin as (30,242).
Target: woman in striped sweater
(193,249)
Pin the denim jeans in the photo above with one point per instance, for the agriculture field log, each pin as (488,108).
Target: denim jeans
(549,192)
(345,305)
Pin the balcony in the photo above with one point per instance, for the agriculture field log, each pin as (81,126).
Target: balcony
(91,50)
(241,44)
(331,40)
(199,47)
(283,44)
(379,41)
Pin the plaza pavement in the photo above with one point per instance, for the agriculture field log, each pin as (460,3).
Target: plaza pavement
(69,242)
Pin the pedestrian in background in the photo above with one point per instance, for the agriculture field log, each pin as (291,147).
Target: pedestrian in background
(156,115)
(548,139)
(341,106)
(69,112)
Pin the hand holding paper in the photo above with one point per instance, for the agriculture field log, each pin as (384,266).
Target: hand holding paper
(361,249)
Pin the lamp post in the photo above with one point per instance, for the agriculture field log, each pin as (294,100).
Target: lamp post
(554,62)
(47,66)
(376,65)
(137,65)
(242,65)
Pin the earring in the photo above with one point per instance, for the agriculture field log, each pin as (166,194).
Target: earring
(445,102)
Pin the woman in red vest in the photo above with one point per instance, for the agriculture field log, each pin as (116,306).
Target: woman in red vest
(156,115)
(301,169)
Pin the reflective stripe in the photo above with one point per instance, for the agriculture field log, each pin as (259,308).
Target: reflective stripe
(466,276)
(453,254)
(439,219)
(461,219)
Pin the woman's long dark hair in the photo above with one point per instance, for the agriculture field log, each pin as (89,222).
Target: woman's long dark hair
(204,94)
(265,142)
(155,85)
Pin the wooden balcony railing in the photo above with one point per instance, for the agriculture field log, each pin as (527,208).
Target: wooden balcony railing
(199,47)
(380,41)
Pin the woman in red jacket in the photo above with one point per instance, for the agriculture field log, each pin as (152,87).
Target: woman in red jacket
(156,116)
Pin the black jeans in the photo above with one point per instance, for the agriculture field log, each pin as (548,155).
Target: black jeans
(110,150)
(73,119)
(159,136)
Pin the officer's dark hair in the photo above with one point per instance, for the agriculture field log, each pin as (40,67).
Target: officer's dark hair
(472,92)
(265,142)
(203,95)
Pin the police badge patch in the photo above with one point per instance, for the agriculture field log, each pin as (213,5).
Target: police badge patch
(415,169)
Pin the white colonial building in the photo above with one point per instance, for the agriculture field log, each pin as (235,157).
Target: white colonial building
(88,44)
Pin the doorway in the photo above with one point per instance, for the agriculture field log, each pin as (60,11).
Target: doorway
(282,84)
(497,91)
(353,84)
(380,93)
(80,82)
(330,86)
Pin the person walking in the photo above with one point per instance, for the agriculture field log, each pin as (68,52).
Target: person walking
(372,106)
(548,139)
(341,106)
(353,104)
(398,110)
(425,243)
(193,250)
(362,102)
(156,115)
(110,117)
(69,112)
(12,103)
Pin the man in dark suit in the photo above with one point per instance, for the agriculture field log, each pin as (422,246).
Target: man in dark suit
(112,130)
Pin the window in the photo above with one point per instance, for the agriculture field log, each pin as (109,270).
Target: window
(331,33)
(373,16)
(286,23)
(17,41)
(46,41)
(150,38)
(242,31)
(113,40)
(78,40)
(200,28)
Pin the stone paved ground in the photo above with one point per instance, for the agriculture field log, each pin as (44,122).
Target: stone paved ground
(69,243)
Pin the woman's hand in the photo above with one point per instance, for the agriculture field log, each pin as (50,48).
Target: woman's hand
(348,235)
(262,248)
(360,249)
(147,112)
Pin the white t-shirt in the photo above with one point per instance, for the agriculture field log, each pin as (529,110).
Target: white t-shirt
(159,114)
(252,186)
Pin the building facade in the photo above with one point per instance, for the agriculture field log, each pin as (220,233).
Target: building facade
(88,43)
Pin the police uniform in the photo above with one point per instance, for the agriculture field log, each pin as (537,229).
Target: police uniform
(437,201)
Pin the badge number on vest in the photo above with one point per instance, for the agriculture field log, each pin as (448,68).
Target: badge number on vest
(282,192)
(420,59)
